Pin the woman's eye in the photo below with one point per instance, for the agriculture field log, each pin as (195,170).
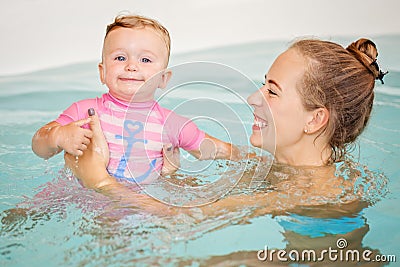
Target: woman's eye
(120,58)
(145,60)
(271,92)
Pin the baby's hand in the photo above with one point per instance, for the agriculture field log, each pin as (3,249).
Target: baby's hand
(74,139)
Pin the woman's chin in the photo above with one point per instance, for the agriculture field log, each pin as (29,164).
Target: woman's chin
(255,141)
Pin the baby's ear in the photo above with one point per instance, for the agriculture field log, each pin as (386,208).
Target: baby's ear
(165,77)
(101,72)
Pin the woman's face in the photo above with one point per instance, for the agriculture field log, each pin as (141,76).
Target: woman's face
(279,115)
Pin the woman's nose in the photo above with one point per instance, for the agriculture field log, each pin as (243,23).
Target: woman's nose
(255,99)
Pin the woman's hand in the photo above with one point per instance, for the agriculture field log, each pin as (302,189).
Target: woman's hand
(171,157)
(90,168)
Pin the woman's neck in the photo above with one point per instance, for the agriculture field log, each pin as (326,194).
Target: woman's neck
(304,155)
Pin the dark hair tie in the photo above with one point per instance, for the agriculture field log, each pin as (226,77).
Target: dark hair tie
(381,74)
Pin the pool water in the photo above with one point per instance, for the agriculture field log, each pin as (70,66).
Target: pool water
(48,219)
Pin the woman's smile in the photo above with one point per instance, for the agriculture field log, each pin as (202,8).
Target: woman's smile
(259,123)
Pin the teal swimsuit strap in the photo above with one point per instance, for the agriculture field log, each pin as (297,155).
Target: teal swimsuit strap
(319,227)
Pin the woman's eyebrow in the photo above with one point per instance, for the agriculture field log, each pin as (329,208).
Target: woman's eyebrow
(274,83)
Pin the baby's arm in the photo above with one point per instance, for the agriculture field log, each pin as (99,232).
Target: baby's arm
(52,138)
(198,143)
(214,148)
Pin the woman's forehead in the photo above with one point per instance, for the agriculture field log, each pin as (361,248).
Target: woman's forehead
(287,68)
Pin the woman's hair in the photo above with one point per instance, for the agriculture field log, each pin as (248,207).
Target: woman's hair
(135,22)
(341,80)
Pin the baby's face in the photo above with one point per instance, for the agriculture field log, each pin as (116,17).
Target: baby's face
(134,62)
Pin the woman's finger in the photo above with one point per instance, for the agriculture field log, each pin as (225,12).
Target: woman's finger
(171,159)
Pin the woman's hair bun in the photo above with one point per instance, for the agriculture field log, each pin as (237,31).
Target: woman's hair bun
(365,51)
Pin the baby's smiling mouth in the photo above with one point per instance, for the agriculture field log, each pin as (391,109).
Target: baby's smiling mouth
(129,79)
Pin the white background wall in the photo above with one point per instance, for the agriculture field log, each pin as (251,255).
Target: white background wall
(37,34)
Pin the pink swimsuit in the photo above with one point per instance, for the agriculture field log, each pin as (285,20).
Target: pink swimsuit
(135,134)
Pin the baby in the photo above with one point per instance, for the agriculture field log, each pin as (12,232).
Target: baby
(134,64)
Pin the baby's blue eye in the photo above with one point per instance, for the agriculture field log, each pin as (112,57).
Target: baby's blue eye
(145,60)
(120,58)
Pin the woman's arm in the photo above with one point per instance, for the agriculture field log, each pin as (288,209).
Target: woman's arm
(90,168)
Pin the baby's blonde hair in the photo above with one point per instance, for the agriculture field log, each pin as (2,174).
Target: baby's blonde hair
(136,21)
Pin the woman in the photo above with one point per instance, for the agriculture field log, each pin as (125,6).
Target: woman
(321,98)
(316,100)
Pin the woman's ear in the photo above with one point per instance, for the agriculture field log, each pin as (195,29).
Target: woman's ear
(165,77)
(318,120)
(101,73)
